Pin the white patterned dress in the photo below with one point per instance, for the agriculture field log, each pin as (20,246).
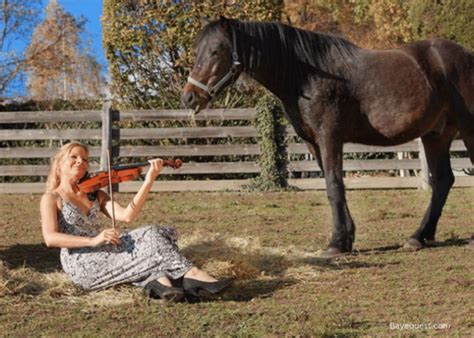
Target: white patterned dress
(144,254)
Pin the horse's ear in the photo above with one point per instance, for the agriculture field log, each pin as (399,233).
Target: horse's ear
(224,22)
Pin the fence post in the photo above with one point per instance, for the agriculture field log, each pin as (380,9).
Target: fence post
(425,174)
(107,144)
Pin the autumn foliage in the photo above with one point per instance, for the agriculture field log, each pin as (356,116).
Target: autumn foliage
(59,65)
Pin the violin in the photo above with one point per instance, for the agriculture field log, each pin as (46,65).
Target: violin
(119,173)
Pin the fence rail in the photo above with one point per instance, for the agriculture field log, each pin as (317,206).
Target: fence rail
(23,126)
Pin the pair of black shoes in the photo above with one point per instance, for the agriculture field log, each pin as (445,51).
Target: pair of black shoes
(191,287)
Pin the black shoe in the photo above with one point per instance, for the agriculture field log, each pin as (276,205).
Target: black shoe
(155,289)
(194,286)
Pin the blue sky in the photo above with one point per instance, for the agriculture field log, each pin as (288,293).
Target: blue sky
(91,10)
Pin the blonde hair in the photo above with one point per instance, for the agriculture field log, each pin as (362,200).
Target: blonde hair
(54,180)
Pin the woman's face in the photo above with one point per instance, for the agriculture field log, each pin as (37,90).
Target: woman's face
(75,164)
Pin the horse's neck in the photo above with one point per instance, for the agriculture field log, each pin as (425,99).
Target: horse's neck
(261,66)
(285,76)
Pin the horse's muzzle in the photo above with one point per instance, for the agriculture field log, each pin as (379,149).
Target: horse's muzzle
(194,98)
(188,100)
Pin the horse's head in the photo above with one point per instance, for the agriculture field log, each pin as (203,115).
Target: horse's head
(216,64)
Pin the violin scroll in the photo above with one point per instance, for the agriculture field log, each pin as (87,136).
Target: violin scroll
(175,164)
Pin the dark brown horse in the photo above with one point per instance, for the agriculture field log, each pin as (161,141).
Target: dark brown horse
(335,92)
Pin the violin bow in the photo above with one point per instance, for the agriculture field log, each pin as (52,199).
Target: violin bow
(111,189)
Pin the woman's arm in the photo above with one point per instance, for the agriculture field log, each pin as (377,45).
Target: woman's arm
(129,213)
(53,238)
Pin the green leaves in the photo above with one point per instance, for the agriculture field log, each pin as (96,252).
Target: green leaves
(148,46)
(271,130)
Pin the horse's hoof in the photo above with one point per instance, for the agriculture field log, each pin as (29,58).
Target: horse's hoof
(412,245)
(330,253)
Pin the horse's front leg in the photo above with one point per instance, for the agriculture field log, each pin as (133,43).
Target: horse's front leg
(343,232)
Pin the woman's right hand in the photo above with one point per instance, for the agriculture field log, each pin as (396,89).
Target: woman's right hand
(108,236)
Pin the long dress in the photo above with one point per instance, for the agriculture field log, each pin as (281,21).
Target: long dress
(144,254)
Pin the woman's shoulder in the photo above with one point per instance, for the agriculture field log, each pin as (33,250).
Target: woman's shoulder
(51,197)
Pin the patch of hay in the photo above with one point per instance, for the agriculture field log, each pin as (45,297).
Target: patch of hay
(30,282)
(20,281)
(302,273)
(59,285)
(236,269)
(242,258)
(112,297)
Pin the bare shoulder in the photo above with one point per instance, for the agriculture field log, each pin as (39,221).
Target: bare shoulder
(50,199)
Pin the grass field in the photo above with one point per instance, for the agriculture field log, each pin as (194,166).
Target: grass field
(270,243)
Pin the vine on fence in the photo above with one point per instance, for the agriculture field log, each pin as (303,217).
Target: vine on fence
(271,125)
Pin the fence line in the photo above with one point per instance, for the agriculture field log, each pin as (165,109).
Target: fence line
(114,138)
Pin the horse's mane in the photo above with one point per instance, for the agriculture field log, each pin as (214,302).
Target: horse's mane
(289,47)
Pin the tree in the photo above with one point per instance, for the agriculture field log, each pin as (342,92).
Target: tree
(59,65)
(387,23)
(17,19)
(148,43)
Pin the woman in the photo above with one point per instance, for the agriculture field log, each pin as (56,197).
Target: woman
(95,259)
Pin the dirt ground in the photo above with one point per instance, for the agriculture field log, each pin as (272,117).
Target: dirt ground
(270,243)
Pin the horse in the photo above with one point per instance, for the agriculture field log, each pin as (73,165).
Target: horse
(335,92)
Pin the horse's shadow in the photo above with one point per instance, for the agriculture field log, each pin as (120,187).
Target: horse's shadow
(450,242)
(342,263)
(35,256)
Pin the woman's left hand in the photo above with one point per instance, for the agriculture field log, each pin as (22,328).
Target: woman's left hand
(156,165)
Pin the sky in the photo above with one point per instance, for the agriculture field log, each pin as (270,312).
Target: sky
(91,10)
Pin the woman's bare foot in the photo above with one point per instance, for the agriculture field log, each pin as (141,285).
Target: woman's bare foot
(165,281)
(199,275)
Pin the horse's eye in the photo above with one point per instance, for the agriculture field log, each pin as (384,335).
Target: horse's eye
(214,52)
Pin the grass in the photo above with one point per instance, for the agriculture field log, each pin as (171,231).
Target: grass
(270,243)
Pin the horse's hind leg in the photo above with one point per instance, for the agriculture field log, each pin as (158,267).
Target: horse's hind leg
(441,180)
(464,106)
(467,135)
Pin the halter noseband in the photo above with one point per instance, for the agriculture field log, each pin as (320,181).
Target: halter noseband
(233,69)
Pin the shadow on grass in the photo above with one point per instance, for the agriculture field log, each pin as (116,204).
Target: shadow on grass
(247,290)
(378,250)
(341,263)
(450,242)
(35,256)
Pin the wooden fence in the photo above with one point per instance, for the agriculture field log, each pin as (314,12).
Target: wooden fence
(112,133)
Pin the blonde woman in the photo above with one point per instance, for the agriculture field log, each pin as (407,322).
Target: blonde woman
(94,258)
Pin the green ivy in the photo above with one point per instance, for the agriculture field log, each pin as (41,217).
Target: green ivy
(271,126)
